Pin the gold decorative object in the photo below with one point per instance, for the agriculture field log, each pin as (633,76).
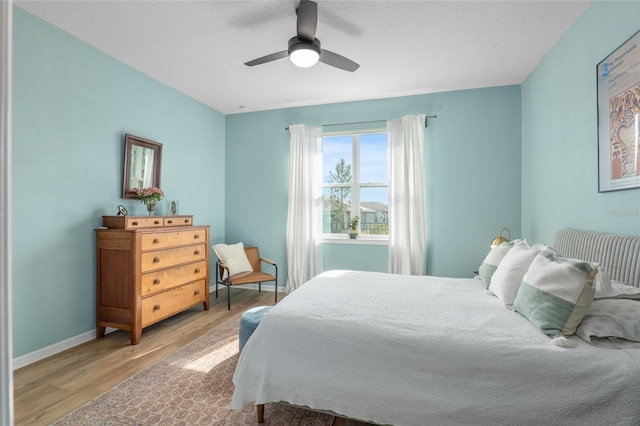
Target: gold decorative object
(500,239)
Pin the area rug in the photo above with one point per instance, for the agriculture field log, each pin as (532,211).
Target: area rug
(192,386)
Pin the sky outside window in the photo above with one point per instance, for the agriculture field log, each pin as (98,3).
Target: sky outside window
(373,161)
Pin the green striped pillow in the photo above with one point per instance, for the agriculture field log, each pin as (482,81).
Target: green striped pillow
(493,259)
(556,293)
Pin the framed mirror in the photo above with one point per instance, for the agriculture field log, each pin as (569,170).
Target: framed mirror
(142,161)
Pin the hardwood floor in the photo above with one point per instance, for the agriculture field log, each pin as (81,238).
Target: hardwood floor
(50,388)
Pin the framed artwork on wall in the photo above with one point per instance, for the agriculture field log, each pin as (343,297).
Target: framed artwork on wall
(618,77)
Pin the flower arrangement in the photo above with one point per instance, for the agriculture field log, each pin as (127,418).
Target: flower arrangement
(149,194)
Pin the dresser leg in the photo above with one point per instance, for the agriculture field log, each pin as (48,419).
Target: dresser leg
(100,332)
(135,336)
(206,305)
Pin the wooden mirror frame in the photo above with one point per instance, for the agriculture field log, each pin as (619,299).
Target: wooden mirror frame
(129,142)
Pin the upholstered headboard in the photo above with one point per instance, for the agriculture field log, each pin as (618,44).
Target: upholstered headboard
(619,255)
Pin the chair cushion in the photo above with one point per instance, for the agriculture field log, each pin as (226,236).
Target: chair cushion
(251,277)
(234,256)
(249,321)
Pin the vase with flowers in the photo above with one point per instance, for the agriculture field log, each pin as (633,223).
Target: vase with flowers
(150,196)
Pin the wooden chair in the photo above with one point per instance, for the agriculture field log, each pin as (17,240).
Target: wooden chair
(257,276)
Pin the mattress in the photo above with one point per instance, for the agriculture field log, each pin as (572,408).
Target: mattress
(422,350)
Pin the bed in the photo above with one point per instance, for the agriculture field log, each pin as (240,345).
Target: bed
(422,350)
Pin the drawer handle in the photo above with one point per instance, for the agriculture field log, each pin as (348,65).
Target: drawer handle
(156,281)
(156,307)
(196,237)
(169,221)
(156,222)
(197,293)
(134,223)
(156,241)
(197,271)
(156,260)
(197,252)
(186,221)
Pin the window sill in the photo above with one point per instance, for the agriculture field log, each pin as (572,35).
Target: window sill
(357,241)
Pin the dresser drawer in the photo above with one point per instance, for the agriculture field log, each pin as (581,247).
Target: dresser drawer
(155,260)
(144,222)
(154,282)
(178,221)
(161,240)
(167,303)
(132,222)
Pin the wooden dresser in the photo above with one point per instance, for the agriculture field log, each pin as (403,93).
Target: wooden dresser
(149,268)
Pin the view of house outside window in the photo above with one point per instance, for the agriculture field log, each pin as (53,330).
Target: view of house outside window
(355,183)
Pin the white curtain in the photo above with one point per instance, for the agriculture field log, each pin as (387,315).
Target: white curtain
(304,218)
(407,196)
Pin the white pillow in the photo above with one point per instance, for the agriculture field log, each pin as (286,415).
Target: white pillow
(602,282)
(619,290)
(493,259)
(556,293)
(613,319)
(234,256)
(542,246)
(506,280)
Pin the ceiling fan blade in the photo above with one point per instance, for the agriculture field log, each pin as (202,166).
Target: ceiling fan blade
(307,20)
(338,61)
(268,58)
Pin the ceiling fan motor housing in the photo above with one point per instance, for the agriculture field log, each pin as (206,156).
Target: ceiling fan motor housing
(296,43)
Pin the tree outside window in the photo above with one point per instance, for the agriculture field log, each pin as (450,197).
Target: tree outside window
(355,183)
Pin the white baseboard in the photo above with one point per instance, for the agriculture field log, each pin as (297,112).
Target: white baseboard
(40,354)
(35,356)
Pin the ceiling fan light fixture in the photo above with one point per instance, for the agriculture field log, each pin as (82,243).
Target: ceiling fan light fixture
(304,54)
(304,49)
(304,57)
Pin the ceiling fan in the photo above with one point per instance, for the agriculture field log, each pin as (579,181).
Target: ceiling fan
(304,49)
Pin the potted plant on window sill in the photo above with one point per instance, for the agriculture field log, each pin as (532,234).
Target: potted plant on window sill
(353,227)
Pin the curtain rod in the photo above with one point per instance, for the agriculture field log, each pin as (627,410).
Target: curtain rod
(426,122)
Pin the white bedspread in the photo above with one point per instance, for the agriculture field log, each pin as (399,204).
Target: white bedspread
(407,350)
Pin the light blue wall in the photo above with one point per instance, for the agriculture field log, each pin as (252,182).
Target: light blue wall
(361,257)
(473,177)
(72,105)
(559,131)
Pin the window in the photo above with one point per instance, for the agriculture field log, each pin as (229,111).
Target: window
(355,179)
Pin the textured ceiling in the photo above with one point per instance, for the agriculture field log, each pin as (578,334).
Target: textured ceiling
(403,47)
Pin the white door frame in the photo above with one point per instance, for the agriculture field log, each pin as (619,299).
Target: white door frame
(6,351)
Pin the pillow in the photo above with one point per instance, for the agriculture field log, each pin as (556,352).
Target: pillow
(619,290)
(602,282)
(491,262)
(234,256)
(542,246)
(506,280)
(556,293)
(612,319)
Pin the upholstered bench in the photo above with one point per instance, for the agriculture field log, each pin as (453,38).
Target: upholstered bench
(249,321)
